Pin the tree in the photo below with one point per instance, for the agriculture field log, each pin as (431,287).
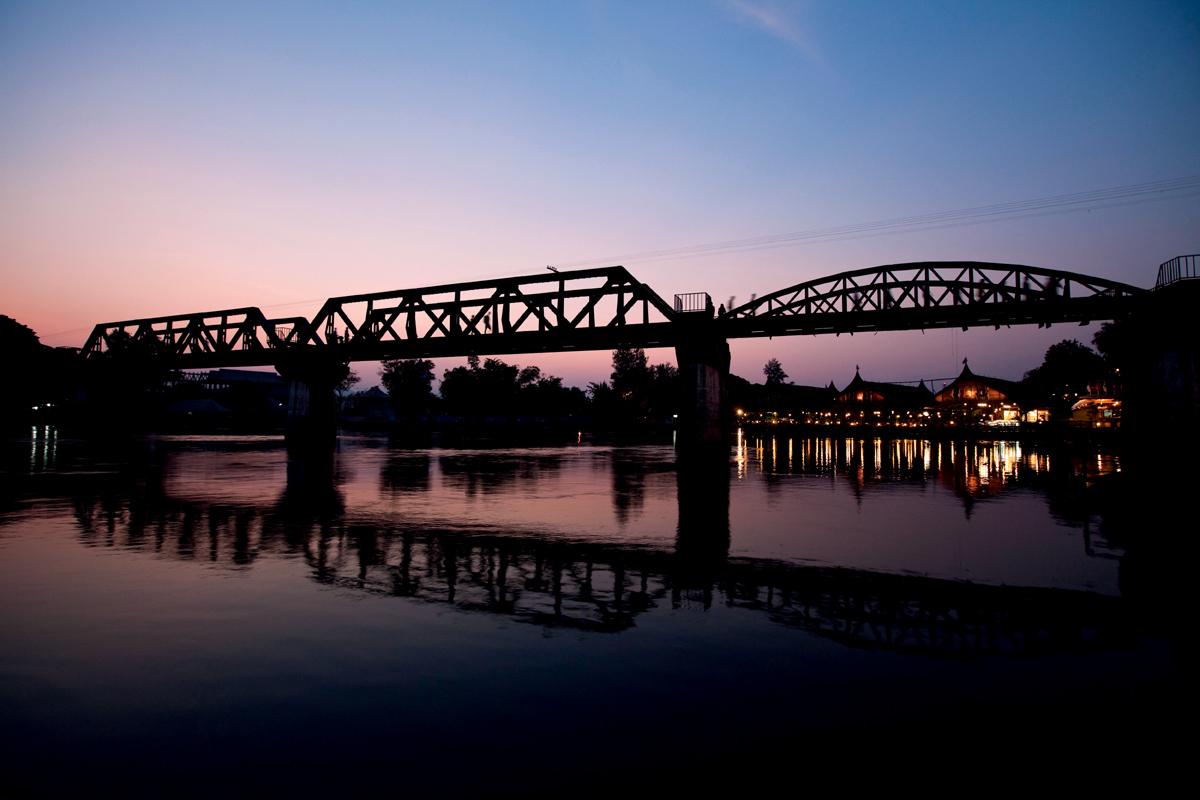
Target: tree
(458,390)
(663,391)
(498,389)
(774,372)
(125,384)
(630,371)
(637,389)
(409,384)
(481,390)
(603,399)
(1116,342)
(22,361)
(545,396)
(347,383)
(630,381)
(1066,371)
(529,376)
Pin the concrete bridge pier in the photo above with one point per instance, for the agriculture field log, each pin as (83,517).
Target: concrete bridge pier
(704,422)
(312,402)
(1165,382)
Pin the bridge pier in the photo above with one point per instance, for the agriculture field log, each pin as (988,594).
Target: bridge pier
(704,422)
(312,403)
(1163,381)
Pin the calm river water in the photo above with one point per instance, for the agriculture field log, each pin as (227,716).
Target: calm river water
(206,616)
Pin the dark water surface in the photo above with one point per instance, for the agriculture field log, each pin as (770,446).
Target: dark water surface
(204,616)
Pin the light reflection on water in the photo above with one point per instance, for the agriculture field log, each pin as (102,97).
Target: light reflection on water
(982,511)
(218,588)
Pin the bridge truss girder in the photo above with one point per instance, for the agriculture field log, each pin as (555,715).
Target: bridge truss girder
(493,308)
(931,295)
(229,338)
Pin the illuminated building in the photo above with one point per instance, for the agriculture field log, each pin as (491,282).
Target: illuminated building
(979,400)
(870,404)
(1096,412)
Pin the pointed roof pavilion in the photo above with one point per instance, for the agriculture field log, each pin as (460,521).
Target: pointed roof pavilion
(969,386)
(860,392)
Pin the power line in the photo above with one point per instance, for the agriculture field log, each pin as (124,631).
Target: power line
(1134,194)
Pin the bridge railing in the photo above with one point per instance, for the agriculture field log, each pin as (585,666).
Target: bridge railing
(1180,268)
(692,302)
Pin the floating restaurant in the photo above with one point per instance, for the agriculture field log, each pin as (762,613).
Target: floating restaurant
(970,400)
(867,402)
(979,400)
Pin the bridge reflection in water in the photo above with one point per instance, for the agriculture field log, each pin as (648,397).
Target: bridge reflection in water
(557,578)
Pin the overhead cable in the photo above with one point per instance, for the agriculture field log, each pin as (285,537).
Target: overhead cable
(1135,194)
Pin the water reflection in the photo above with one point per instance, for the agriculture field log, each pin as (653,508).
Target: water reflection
(406,472)
(43,449)
(563,584)
(488,472)
(973,469)
(378,604)
(312,490)
(232,504)
(702,546)
(628,485)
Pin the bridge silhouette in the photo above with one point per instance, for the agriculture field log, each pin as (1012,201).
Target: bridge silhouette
(601,309)
(608,308)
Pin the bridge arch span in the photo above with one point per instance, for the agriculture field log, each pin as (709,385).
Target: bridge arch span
(931,294)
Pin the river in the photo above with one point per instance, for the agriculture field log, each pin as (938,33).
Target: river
(206,615)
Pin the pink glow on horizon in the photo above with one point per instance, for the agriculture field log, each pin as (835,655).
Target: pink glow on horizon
(161,161)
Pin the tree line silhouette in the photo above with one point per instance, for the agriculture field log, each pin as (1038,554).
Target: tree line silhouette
(492,389)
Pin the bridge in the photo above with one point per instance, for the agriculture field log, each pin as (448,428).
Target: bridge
(608,308)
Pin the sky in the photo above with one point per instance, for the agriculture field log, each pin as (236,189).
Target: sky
(162,158)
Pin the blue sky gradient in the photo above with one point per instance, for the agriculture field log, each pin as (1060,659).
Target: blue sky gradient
(161,158)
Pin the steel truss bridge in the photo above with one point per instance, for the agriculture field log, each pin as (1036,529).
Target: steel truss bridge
(606,308)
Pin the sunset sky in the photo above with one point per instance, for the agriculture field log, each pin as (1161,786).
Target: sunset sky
(160,158)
